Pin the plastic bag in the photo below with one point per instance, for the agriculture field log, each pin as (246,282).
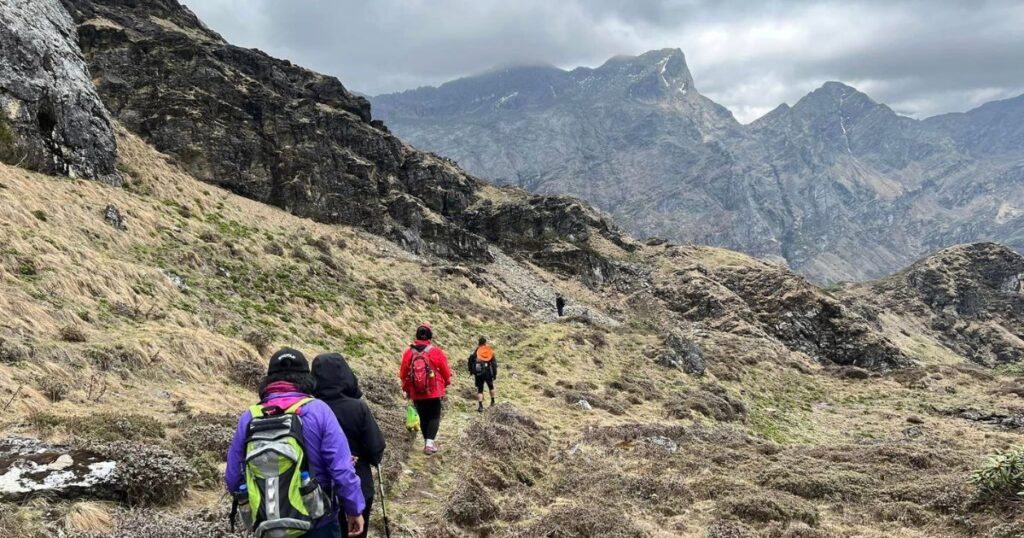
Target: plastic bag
(412,419)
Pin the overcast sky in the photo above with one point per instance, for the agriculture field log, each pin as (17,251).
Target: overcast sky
(921,57)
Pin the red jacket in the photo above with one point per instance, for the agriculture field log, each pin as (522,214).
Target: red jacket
(438,362)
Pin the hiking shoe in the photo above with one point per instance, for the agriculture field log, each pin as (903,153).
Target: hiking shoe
(430,450)
(480,408)
(492,402)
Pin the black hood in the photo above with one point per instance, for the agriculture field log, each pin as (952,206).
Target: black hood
(333,378)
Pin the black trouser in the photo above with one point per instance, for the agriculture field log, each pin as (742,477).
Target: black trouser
(560,307)
(430,416)
(484,379)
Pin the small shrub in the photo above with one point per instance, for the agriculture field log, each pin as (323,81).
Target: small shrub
(903,512)
(103,427)
(12,352)
(274,249)
(1001,476)
(246,373)
(54,389)
(72,333)
(260,340)
(380,389)
(40,215)
(470,505)
(585,520)
(119,356)
(811,483)
(322,244)
(724,528)
(761,507)
(149,474)
(198,439)
(27,268)
(712,401)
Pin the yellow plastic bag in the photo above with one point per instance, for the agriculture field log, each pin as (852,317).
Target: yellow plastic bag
(412,419)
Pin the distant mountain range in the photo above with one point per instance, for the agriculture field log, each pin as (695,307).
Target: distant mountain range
(837,185)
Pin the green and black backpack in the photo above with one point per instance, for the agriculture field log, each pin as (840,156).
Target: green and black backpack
(280,497)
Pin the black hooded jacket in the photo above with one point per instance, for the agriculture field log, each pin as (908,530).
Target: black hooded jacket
(336,384)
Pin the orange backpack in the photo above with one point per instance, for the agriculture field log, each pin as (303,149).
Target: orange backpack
(484,356)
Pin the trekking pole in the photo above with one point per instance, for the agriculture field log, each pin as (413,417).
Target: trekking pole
(383,506)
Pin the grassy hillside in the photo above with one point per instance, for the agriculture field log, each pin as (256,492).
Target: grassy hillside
(155,332)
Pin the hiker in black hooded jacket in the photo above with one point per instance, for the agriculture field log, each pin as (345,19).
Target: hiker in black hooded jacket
(336,384)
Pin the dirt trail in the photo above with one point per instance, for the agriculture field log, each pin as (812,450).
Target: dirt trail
(416,501)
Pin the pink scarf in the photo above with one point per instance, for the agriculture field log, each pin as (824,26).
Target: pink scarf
(279,387)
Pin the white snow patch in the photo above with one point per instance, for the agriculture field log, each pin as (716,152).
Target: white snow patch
(506,98)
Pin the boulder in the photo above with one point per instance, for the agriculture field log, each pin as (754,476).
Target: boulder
(30,468)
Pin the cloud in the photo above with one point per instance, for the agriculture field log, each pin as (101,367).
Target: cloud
(922,57)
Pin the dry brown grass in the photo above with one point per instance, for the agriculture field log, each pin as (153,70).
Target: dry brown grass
(807,454)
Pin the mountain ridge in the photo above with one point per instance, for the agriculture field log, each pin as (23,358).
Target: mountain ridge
(838,185)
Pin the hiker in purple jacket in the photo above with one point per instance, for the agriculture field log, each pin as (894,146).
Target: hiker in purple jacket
(287,382)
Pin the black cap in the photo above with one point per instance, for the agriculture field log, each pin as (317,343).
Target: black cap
(288,360)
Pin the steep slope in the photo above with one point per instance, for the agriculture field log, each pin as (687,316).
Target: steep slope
(838,186)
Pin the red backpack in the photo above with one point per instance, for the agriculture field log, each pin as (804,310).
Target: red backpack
(421,375)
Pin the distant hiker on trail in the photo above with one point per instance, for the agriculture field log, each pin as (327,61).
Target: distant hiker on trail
(483,366)
(337,385)
(425,376)
(560,304)
(287,454)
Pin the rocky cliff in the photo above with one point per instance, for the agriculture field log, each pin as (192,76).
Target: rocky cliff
(968,297)
(51,119)
(278,133)
(837,185)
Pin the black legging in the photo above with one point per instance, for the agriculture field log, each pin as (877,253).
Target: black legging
(430,416)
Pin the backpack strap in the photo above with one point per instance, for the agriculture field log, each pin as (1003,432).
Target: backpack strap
(294,409)
(258,411)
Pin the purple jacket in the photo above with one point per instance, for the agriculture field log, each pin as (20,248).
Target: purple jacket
(326,447)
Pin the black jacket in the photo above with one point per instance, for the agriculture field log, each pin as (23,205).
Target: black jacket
(336,384)
(471,365)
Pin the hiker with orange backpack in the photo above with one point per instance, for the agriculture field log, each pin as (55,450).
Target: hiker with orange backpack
(425,376)
(483,366)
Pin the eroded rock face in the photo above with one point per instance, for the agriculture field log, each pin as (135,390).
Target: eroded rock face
(31,468)
(765,300)
(267,129)
(51,119)
(968,296)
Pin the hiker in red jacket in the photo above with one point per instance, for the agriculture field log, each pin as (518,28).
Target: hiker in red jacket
(425,375)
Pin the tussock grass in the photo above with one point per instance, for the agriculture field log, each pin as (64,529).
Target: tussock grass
(784,449)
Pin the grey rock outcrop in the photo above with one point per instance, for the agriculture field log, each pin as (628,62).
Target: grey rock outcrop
(51,119)
(30,468)
(682,353)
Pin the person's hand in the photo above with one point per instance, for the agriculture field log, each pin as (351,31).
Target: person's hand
(355,460)
(355,525)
